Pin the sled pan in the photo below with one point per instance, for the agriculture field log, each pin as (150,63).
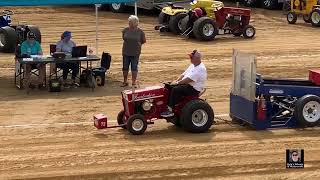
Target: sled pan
(101,122)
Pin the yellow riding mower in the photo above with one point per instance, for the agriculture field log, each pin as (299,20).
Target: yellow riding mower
(309,9)
(171,16)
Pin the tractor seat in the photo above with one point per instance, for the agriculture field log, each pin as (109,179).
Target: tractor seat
(198,95)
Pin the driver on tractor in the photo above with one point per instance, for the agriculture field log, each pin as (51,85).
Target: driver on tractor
(193,16)
(190,83)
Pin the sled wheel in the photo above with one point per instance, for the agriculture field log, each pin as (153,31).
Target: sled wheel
(315,17)
(175,23)
(197,116)
(292,18)
(8,39)
(136,124)
(120,119)
(205,29)
(249,32)
(307,110)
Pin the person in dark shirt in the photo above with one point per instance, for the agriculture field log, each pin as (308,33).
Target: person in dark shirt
(133,38)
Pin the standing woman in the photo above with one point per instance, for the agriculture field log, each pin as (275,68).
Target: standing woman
(133,38)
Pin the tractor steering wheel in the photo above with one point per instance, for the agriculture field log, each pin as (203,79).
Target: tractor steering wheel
(7,12)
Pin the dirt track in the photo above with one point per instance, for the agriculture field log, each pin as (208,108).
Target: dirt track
(37,139)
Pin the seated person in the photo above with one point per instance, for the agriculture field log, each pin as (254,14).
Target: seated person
(190,83)
(32,47)
(193,16)
(65,45)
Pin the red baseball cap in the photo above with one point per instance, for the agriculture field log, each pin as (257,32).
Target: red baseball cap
(193,53)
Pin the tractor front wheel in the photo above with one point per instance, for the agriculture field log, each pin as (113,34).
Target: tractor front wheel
(205,29)
(136,124)
(315,17)
(120,119)
(249,32)
(292,18)
(197,116)
(8,39)
(307,110)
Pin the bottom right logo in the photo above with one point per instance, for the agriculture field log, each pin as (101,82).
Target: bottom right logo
(295,158)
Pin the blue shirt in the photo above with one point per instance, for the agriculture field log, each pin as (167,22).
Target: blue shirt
(65,47)
(30,49)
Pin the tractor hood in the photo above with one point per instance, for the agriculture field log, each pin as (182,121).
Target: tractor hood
(143,94)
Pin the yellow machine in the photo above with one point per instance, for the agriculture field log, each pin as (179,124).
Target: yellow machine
(171,16)
(309,9)
(208,6)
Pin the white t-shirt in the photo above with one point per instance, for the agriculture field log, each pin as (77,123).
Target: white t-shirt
(198,74)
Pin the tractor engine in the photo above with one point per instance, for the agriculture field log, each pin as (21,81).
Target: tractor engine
(149,102)
(233,20)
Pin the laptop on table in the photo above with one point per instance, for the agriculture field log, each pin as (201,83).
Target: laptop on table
(79,51)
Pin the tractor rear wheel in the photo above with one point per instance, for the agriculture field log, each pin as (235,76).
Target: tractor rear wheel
(205,29)
(197,116)
(184,24)
(8,39)
(36,32)
(120,119)
(315,17)
(163,18)
(307,110)
(306,18)
(249,31)
(175,23)
(292,18)
(136,124)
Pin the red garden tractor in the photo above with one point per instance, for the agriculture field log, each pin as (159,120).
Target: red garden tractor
(225,20)
(228,20)
(142,107)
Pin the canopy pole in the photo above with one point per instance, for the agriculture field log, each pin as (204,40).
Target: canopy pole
(97,27)
(135,8)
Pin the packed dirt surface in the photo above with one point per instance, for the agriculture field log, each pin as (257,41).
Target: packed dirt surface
(50,135)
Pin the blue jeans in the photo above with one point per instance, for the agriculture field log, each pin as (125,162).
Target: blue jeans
(130,60)
(65,66)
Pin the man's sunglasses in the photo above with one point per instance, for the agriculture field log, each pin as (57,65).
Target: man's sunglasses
(294,154)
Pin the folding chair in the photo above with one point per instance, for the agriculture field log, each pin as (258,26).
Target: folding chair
(53,66)
(19,69)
